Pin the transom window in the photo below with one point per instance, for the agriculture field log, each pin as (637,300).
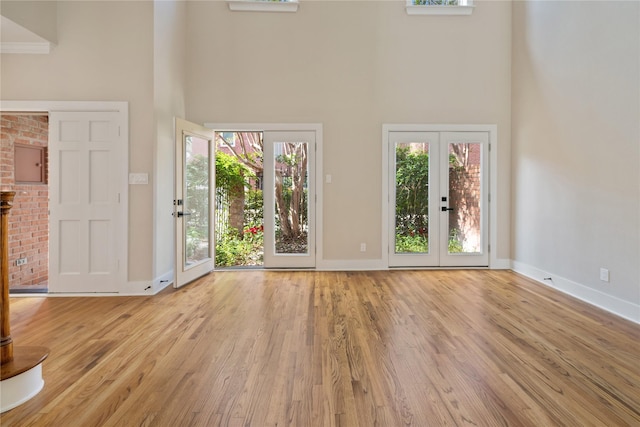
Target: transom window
(439,7)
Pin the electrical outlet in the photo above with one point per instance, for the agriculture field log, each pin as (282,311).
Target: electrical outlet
(363,247)
(604,274)
(21,261)
(138,178)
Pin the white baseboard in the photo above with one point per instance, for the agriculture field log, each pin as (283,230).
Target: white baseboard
(159,283)
(378,264)
(624,309)
(350,265)
(139,287)
(500,264)
(145,287)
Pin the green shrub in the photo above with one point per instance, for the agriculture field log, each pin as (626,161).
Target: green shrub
(455,246)
(233,250)
(419,243)
(412,244)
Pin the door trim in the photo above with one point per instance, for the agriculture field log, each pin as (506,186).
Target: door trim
(122,108)
(275,127)
(492,130)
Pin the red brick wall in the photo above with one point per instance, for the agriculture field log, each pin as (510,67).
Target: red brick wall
(28,219)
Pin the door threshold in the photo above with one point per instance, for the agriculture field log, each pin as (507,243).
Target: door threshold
(29,291)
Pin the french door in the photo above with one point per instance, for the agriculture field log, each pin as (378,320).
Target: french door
(193,203)
(438,199)
(289,199)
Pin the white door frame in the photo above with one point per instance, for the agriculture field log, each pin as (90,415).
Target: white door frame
(493,181)
(283,127)
(122,108)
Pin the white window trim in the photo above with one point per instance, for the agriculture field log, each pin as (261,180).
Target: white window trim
(426,9)
(263,6)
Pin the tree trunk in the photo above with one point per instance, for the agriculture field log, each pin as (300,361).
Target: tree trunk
(281,206)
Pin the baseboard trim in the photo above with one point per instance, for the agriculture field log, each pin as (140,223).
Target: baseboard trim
(500,264)
(350,265)
(378,264)
(160,283)
(624,309)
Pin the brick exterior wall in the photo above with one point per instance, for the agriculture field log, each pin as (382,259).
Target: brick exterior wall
(29,217)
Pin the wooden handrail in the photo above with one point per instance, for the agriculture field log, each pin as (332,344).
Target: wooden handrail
(6,343)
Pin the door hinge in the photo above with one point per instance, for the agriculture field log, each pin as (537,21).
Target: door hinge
(119,131)
(118,197)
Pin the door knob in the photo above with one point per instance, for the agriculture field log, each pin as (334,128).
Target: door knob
(444,209)
(184,214)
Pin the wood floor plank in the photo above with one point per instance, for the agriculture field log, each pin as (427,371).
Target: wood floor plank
(328,349)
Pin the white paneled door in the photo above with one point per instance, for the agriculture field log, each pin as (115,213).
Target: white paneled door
(84,202)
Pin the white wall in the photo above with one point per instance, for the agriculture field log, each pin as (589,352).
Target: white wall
(104,53)
(353,66)
(576,149)
(169,100)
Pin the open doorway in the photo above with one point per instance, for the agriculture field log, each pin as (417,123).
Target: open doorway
(239,207)
(25,141)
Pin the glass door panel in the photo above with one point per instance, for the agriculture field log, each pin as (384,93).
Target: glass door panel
(412,197)
(465,194)
(196,203)
(290,170)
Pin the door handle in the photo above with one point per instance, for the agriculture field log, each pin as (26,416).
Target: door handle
(184,214)
(444,209)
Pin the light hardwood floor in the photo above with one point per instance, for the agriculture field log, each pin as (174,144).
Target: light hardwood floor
(306,349)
